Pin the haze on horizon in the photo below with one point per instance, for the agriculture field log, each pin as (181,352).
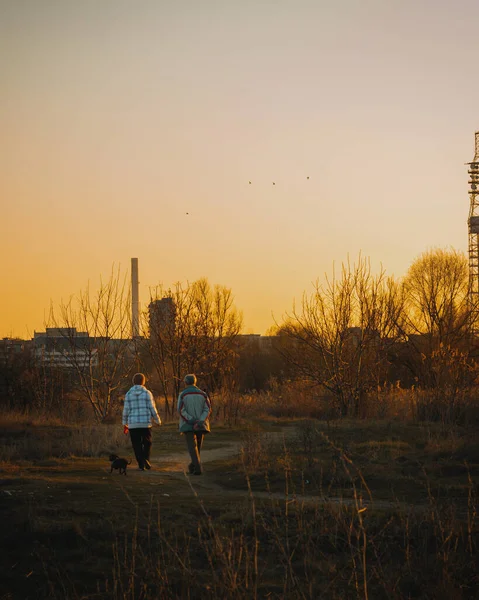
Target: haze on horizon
(133,130)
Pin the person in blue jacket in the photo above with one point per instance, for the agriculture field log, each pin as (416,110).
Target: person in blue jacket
(194,408)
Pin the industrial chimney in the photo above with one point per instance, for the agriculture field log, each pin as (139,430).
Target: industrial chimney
(135,302)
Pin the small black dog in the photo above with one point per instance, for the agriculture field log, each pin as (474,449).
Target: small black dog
(118,463)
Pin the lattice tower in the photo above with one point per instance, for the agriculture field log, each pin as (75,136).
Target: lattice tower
(473,223)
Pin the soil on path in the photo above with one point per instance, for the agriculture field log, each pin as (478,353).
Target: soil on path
(174,467)
(176,463)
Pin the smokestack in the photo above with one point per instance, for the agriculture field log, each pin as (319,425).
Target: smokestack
(135,302)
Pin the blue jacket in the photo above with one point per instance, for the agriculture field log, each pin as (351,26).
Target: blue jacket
(193,406)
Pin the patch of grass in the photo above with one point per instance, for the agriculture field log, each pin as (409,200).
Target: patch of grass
(395,460)
(73,530)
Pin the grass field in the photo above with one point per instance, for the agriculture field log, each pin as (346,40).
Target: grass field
(285,509)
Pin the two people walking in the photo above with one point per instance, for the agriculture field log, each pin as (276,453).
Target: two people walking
(139,412)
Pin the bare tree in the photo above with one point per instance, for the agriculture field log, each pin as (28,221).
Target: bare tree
(192,328)
(164,338)
(437,316)
(436,288)
(341,334)
(212,329)
(92,334)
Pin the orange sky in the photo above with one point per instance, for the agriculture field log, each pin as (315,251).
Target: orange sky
(118,118)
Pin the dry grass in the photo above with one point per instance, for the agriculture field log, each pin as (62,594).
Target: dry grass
(145,545)
(296,515)
(41,437)
(281,547)
(298,399)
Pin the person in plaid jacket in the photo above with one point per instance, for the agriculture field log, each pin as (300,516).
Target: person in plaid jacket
(139,411)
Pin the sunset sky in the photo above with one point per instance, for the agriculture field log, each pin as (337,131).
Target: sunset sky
(131,129)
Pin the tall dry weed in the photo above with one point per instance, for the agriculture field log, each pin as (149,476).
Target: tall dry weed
(42,443)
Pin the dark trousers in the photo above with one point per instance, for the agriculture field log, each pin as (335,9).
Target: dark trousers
(194,441)
(141,442)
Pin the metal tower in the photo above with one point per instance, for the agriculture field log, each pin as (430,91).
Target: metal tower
(473,223)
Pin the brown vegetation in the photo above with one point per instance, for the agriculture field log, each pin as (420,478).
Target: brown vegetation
(305,509)
(345,457)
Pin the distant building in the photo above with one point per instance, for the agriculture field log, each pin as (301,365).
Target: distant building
(11,347)
(65,347)
(261,341)
(162,316)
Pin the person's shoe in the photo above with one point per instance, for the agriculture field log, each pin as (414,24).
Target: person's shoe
(191,468)
(140,468)
(147,465)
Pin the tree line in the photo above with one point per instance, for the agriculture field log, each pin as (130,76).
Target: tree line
(351,337)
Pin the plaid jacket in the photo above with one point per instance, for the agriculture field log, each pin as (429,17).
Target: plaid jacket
(139,408)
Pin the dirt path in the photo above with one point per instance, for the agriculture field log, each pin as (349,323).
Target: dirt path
(174,467)
(176,463)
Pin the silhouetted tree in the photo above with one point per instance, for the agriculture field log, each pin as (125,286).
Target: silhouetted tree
(339,338)
(436,295)
(193,328)
(437,314)
(103,358)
